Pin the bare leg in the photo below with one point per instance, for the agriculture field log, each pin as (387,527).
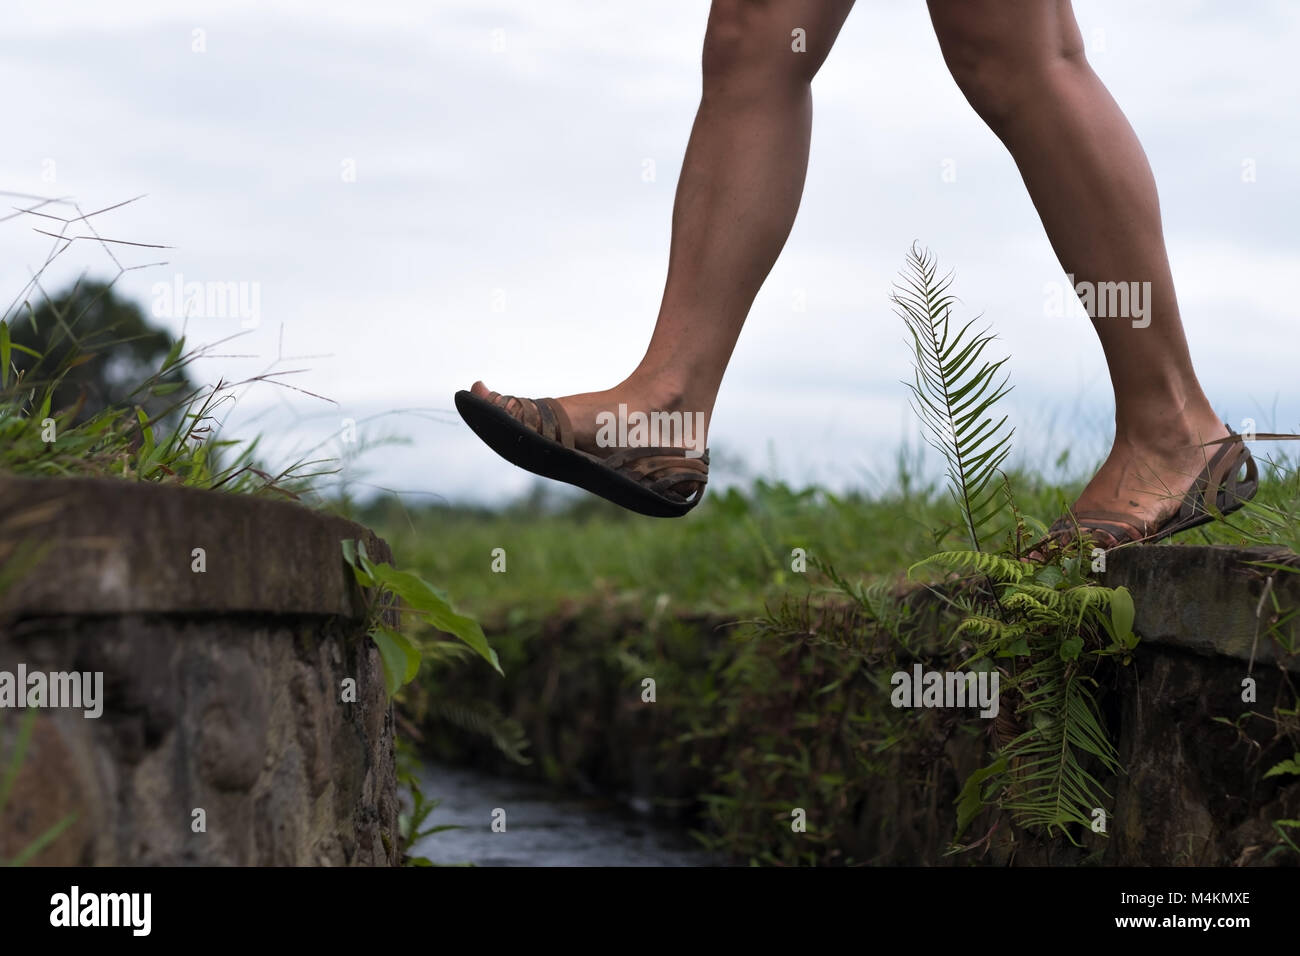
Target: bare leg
(1021,65)
(737,196)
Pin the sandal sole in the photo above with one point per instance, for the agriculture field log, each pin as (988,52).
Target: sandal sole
(526,449)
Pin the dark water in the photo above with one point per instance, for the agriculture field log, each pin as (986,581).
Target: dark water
(541,828)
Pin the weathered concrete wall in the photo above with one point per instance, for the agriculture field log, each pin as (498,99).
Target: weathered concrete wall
(1194,793)
(223,689)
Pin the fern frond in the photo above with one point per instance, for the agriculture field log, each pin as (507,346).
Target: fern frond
(993,566)
(953,391)
(1050,786)
(1084,596)
(1043,618)
(991,628)
(484,719)
(1047,596)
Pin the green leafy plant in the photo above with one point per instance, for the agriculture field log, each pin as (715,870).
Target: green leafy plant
(412,827)
(401,652)
(1282,828)
(1291,767)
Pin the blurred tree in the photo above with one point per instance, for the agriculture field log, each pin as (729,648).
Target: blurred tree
(105,349)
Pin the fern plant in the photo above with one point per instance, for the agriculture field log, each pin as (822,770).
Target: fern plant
(1050,630)
(1046,627)
(954,391)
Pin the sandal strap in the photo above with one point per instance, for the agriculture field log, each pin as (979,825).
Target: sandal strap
(665,471)
(556,419)
(1222,477)
(545,416)
(1116,525)
(624,456)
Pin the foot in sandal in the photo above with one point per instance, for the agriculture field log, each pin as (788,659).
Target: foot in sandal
(592,441)
(1147,491)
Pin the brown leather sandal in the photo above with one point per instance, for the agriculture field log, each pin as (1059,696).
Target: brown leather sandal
(536,435)
(1221,480)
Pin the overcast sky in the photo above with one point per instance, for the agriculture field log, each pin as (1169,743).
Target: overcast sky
(384,173)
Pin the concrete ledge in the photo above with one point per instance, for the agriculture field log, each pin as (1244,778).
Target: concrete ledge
(248,692)
(119,547)
(1207,599)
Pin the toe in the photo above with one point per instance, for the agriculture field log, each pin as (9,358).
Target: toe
(480,390)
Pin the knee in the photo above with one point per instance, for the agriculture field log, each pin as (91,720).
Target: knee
(748,49)
(997,69)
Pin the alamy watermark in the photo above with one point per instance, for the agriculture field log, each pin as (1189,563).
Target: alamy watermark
(132,911)
(74,690)
(626,429)
(1101,300)
(179,299)
(946,689)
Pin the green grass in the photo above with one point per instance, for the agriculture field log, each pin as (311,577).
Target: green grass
(64,412)
(730,553)
(733,552)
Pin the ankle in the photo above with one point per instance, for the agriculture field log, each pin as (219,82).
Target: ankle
(662,393)
(1170,432)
